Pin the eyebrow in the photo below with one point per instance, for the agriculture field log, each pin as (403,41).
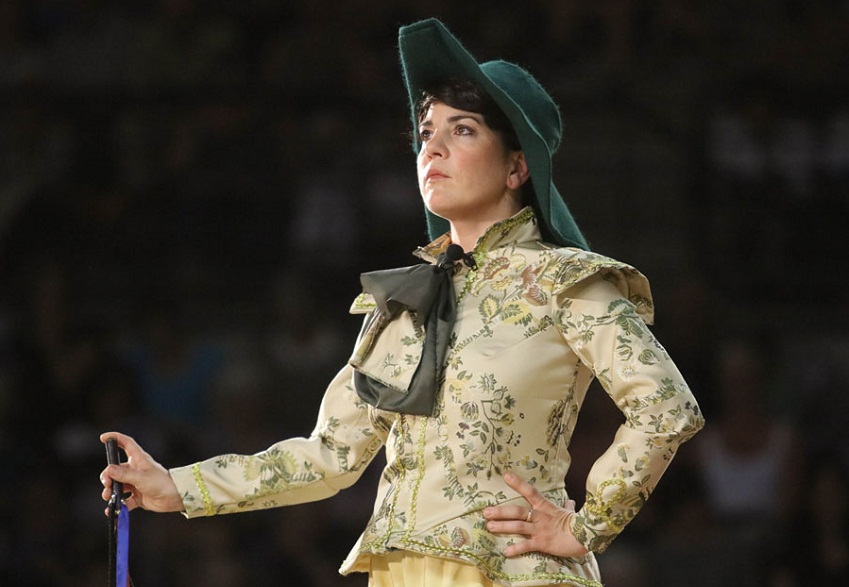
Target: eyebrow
(455,118)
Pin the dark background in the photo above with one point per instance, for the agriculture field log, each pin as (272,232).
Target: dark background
(189,190)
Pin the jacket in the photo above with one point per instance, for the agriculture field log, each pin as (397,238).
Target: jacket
(535,324)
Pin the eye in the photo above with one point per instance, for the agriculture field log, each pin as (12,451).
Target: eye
(425,134)
(462,129)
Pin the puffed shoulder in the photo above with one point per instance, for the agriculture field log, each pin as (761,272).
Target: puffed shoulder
(576,266)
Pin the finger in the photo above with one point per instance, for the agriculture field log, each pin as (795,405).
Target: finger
(510,527)
(127,444)
(521,547)
(525,489)
(127,475)
(506,512)
(105,479)
(114,473)
(130,502)
(117,436)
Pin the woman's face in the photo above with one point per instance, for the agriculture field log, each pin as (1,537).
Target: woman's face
(466,174)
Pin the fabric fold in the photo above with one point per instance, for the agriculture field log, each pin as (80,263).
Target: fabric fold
(425,293)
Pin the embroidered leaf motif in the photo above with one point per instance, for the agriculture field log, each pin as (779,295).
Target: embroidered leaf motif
(611,308)
(514,312)
(630,323)
(391,366)
(488,308)
(648,357)
(623,349)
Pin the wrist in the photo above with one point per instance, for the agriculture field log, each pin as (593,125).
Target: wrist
(172,500)
(569,523)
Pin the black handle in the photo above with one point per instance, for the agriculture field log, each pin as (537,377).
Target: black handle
(113,458)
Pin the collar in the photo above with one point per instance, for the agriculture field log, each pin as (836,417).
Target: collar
(522,227)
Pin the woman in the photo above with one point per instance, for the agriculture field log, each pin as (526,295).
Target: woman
(471,368)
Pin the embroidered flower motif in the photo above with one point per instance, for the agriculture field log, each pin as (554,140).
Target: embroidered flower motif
(495,267)
(470,411)
(458,538)
(627,372)
(531,290)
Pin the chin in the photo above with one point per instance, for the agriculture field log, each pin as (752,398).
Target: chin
(439,209)
(443,213)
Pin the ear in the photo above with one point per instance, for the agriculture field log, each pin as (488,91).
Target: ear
(518,173)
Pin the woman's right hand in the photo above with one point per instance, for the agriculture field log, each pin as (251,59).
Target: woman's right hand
(148,483)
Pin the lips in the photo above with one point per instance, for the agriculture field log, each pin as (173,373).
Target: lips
(435,174)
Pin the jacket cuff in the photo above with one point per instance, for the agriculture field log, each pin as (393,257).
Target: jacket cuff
(193,491)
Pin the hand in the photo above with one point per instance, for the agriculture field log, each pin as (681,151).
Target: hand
(149,484)
(545,524)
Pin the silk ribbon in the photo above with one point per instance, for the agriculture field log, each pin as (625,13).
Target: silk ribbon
(427,293)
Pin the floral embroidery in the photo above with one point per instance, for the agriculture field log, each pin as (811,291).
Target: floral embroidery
(271,471)
(489,435)
(519,363)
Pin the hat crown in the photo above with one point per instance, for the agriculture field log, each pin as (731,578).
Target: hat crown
(539,110)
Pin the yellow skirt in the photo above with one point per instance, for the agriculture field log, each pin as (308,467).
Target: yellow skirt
(400,568)
(410,569)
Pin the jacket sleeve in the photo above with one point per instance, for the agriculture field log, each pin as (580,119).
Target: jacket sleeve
(297,470)
(600,320)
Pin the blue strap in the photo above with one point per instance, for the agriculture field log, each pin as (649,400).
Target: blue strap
(123,548)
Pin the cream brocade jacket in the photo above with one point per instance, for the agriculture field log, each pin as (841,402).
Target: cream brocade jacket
(535,324)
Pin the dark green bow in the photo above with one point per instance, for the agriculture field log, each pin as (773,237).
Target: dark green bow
(427,293)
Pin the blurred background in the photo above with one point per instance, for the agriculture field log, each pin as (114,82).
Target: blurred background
(189,190)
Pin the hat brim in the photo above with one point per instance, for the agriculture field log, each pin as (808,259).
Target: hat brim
(429,54)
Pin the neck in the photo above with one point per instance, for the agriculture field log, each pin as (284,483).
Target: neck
(466,234)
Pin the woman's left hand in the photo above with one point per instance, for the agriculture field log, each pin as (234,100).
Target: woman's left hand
(545,524)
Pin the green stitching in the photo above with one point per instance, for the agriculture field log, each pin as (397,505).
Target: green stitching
(480,251)
(600,508)
(506,226)
(470,279)
(208,508)
(421,470)
(390,517)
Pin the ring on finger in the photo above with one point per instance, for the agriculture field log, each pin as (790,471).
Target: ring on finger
(530,517)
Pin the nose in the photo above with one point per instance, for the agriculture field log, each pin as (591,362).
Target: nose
(434,146)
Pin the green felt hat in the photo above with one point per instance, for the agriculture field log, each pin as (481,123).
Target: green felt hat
(430,54)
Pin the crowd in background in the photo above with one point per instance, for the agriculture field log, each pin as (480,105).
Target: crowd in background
(189,190)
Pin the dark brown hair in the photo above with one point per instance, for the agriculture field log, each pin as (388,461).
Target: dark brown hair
(470,96)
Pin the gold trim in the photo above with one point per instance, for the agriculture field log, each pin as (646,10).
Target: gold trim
(420,459)
(208,508)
